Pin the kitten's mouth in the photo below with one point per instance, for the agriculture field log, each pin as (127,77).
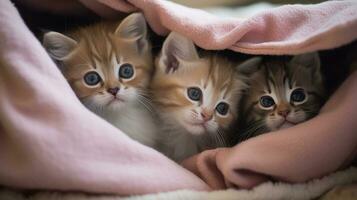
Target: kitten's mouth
(286,124)
(198,124)
(115,100)
(201,125)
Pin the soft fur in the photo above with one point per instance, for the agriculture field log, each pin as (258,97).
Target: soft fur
(191,126)
(277,79)
(105,48)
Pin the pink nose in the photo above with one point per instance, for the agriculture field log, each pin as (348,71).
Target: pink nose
(206,117)
(113,91)
(284,113)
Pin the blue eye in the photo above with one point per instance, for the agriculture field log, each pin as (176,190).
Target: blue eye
(266,101)
(126,71)
(92,78)
(298,95)
(222,108)
(194,93)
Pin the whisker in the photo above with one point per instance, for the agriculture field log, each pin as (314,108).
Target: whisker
(221,137)
(145,101)
(145,105)
(253,129)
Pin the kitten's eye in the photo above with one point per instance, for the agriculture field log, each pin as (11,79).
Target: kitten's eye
(222,108)
(298,95)
(92,78)
(126,71)
(266,101)
(194,93)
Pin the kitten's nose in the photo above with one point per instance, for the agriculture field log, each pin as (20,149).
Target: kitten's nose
(206,116)
(284,113)
(113,91)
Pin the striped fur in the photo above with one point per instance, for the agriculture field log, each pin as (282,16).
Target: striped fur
(277,78)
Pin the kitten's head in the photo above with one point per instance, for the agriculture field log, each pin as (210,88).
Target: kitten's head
(197,95)
(107,65)
(282,93)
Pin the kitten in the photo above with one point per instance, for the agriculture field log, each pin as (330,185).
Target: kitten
(109,66)
(195,97)
(281,93)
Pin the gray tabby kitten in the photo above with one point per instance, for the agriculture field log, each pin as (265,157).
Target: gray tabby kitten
(281,93)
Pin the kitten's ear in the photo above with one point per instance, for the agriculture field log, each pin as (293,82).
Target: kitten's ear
(133,28)
(308,60)
(176,49)
(58,45)
(249,66)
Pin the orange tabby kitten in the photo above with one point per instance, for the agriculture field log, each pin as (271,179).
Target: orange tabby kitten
(109,67)
(196,97)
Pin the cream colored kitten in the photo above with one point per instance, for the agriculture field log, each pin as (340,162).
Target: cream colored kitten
(109,66)
(196,97)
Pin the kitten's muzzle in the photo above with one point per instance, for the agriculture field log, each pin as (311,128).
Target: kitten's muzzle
(206,116)
(284,113)
(113,91)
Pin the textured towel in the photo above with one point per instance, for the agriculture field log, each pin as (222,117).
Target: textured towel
(289,29)
(339,185)
(48,140)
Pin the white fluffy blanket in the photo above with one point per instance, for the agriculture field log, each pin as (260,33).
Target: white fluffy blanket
(269,190)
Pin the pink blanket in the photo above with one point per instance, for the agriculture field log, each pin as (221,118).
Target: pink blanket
(48,140)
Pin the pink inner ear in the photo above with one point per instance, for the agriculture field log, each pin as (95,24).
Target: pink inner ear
(171,64)
(141,44)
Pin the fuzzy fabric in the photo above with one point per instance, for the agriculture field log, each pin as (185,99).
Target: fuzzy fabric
(288,29)
(49,140)
(269,190)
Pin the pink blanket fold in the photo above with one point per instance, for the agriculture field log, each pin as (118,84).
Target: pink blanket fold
(290,29)
(48,140)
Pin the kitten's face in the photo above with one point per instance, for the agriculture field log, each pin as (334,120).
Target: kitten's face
(107,67)
(283,94)
(196,94)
